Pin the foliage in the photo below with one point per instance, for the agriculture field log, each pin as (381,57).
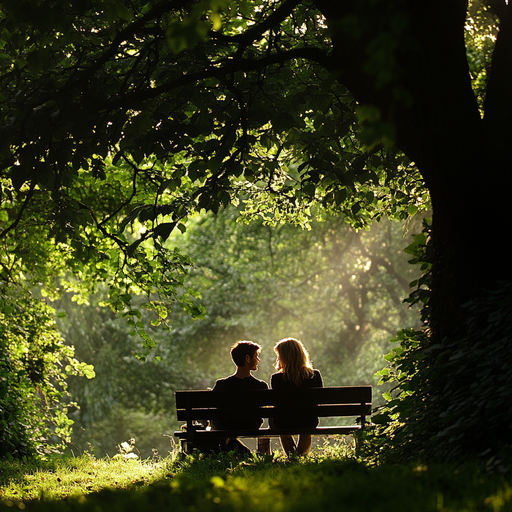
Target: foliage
(451,391)
(480,394)
(337,289)
(457,390)
(392,421)
(104,339)
(106,149)
(134,149)
(254,484)
(121,119)
(34,365)
(480,34)
(134,167)
(128,397)
(263,118)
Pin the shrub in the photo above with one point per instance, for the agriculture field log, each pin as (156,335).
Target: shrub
(34,365)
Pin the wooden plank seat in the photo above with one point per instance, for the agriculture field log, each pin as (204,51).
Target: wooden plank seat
(197,408)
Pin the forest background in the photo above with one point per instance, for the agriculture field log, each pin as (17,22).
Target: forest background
(339,290)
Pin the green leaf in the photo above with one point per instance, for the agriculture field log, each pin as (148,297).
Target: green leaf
(165,229)
(340,196)
(412,209)
(133,247)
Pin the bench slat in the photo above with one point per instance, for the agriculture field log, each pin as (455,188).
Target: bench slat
(331,395)
(262,432)
(237,405)
(245,412)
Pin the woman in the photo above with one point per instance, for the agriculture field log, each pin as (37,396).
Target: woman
(294,371)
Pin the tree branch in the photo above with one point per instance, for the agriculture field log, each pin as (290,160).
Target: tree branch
(4,233)
(257,31)
(129,200)
(312,54)
(122,36)
(379,260)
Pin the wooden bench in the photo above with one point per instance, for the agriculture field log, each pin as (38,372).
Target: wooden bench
(203,406)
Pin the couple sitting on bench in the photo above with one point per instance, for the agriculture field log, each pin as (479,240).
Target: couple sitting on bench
(294,371)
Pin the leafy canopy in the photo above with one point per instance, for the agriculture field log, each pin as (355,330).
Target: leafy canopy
(120,119)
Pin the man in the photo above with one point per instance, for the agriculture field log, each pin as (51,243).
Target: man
(245,355)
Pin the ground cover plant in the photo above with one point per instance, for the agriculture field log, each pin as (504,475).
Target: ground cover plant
(331,478)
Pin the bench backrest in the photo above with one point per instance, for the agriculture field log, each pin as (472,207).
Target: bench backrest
(274,403)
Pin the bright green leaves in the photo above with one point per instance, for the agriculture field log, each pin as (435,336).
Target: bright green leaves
(120,120)
(77,368)
(422,254)
(405,367)
(217,122)
(480,33)
(152,271)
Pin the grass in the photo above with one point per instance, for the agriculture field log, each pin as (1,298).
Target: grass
(329,480)
(76,476)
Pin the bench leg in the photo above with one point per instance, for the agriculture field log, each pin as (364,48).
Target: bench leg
(358,439)
(304,446)
(186,447)
(264,445)
(288,445)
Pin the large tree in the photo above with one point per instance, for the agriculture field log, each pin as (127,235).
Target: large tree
(120,118)
(424,90)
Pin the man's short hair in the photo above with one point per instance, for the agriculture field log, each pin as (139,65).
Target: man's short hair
(241,349)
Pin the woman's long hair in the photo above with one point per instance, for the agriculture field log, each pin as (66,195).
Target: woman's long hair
(293,361)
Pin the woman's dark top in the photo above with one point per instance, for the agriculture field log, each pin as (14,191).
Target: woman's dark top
(277,381)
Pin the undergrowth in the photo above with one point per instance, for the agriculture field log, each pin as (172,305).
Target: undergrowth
(63,477)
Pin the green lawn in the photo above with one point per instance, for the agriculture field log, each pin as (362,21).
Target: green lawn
(327,481)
